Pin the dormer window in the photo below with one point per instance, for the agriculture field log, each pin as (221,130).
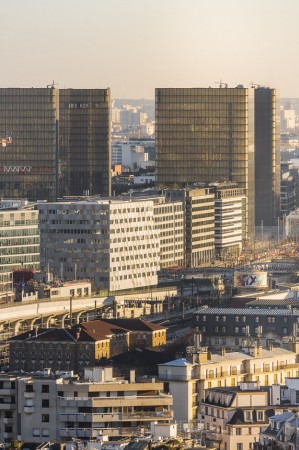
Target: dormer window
(248,415)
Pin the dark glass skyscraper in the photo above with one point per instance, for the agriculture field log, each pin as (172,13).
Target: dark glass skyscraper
(60,142)
(84,142)
(267,156)
(28,163)
(207,135)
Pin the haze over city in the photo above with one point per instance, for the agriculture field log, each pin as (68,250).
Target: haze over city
(134,46)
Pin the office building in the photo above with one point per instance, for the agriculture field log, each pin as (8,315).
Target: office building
(199,209)
(207,135)
(113,242)
(28,163)
(19,241)
(230,219)
(267,156)
(84,142)
(58,142)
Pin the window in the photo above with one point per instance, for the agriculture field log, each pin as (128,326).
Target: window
(45,388)
(35,432)
(238,431)
(237,329)
(239,446)
(45,418)
(45,432)
(237,319)
(260,415)
(247,415)
(45,403)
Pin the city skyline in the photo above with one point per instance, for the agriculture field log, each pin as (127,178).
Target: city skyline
(133,47)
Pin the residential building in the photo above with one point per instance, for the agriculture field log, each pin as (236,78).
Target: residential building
(230,327)
(267,156)
(181,380)
(59,142)
(207,135)
(199,209)
(112,241)
(234,416)
(58,408)
(281,433)
(81,345)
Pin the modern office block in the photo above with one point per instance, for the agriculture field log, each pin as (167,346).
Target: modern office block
(207,135)
(267,156)
(113,242)
(84,142)
(230,205)
(28,162)
(19,241)
(56,142)
(199,211)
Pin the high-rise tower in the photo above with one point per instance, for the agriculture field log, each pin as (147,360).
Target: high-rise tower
(59,142)
(267,156)
(207,135)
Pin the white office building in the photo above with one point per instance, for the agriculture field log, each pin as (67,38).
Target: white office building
(112,242)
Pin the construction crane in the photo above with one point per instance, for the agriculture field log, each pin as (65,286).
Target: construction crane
(7,140)
(221,84)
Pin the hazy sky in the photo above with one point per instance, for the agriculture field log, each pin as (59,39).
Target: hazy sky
(133,46)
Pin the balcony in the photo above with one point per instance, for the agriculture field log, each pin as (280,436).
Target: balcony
(8,420)
(90,417)
(127,400)
(29,409)
(7,391)
(148,415)
(29,394)
(6,406)
(93,433)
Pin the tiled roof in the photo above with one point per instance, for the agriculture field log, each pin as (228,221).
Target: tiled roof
(134,324)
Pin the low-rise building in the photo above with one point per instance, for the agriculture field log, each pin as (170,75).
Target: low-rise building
(81,345)
(58,408)
(234,416)
(230,327)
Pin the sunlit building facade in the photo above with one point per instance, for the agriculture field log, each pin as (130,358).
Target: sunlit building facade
(207,135)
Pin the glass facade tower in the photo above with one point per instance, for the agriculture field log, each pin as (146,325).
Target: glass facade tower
(60,142)
(207,135)
(28,163)
(267,156)
(84,142)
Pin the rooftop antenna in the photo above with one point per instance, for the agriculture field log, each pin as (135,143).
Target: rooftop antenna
(221,84)
(254,85)
(52,85)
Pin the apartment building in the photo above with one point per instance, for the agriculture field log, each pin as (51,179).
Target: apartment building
(234,416)
(111,241)
(181,380)
(187,380)
(62,407)
(229,327)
